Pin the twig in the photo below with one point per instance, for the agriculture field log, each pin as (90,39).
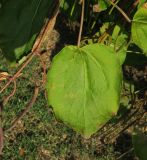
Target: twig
(131,122)
(103,37)
(18,72)
(113,6)
(11,94)
(105,34)
(28,106)
(124,154)
(47,28)
(134,5)
(123,123)
(81,23)
(120,10)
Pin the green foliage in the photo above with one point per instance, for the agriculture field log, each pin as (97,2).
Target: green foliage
(20,22)
(140,145)
(93,8)
(141,2)
(71,9)
(119,43)
(84,87)
(139,29)
(103,4)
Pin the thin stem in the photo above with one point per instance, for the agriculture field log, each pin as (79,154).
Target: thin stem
(124,154)
(81,23)
(11,94)
(73,8)
(113,7)
(18,72)
(120,10)
(28,106)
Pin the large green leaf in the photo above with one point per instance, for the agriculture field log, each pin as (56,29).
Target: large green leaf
(20,22)
(139,29)
(140,145)
(84,87)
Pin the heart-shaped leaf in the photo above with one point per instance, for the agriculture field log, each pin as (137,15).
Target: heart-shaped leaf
(84,87)
(139,29)
(20,22)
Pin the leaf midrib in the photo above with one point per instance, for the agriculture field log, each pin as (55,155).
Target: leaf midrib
(85,86)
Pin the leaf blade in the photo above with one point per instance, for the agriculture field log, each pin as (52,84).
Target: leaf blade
(83,99)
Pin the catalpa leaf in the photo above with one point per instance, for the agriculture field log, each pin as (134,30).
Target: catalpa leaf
(139,29)
(20,22)
(83,87)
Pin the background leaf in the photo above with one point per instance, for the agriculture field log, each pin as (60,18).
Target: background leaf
(139,29)
(84,87)
(20,22)
(103,4)
(119,42)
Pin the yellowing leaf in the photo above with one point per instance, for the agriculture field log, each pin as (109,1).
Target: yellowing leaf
(139,29)
(3,75)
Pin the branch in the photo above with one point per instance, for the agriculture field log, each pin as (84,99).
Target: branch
(124,154)
(18,72)
(5,101)
(47,28)
(120,10)
(28,106)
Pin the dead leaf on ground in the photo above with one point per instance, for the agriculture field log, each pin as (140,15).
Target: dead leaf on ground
(3,76)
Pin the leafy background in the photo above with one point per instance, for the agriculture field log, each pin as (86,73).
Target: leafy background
(21,21)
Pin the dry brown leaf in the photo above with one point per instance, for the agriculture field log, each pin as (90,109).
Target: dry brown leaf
(3,76)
